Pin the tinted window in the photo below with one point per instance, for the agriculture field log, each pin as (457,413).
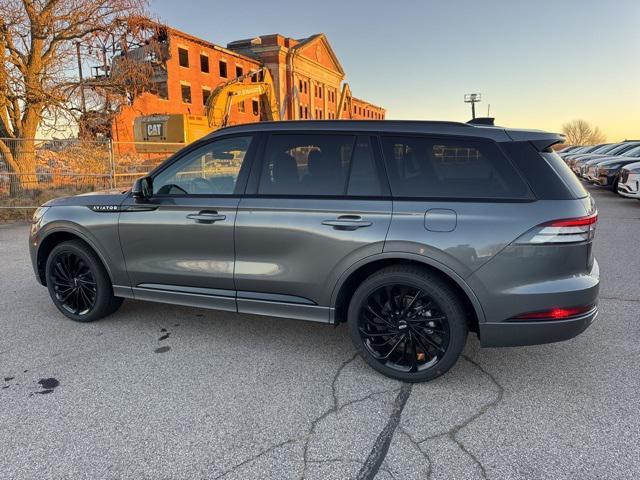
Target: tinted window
(308,164)
(563,170)
(430,167)
(209,170)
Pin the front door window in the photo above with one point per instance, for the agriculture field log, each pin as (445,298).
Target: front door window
(212,169)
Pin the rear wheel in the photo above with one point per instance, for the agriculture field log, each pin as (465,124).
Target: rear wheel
(78,282)
(407,323)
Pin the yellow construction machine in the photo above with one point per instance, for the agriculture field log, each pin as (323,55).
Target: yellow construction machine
(155,133)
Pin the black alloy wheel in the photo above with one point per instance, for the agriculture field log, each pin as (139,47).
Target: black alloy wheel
(404,328)
(73,283)
(78,282)
(408,323)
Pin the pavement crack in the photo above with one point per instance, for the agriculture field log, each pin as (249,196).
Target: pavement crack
(330,410)
(423,452)
(255,457)
(453,432)
(381,446)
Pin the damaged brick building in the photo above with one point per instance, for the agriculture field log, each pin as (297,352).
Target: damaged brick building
(309,81)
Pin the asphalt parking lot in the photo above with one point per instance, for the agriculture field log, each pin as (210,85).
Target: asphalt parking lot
(166,392)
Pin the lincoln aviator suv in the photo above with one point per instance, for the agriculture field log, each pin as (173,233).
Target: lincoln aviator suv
(411,233)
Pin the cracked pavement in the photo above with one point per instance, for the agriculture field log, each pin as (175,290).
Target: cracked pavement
(163,392)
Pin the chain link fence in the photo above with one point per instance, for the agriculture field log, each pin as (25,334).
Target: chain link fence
(33,171)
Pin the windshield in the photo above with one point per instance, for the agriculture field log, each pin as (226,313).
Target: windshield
(634,152)
(593,148)
(604,148)
(625,147)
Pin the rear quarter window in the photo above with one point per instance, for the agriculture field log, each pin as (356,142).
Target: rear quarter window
(450,168)
(565,173)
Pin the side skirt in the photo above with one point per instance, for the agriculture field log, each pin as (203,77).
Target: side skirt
(254,303)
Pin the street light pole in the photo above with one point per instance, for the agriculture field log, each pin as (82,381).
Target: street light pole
(472,98)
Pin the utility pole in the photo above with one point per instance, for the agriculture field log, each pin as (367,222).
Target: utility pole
(473,98)
(83,105)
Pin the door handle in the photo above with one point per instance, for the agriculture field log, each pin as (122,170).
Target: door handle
(347,222)
(206,217)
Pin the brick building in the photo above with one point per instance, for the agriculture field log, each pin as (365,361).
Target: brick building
(308,79)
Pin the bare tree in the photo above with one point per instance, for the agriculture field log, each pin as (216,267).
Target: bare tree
(37,53)
(131,59)
(581,132)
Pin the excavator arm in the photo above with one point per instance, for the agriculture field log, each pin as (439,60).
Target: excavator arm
(219,103)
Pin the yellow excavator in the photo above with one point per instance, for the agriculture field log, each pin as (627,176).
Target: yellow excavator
(152,133)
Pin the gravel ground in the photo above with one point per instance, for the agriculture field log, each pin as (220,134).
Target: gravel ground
(166,392)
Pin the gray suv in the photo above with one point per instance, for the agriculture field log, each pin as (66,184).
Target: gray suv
(411,233)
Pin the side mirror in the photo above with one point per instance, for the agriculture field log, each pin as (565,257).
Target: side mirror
(142,188)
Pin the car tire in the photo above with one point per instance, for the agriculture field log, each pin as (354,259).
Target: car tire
(78,283)
(372,321)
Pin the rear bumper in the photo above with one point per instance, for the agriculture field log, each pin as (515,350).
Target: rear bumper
(514,334)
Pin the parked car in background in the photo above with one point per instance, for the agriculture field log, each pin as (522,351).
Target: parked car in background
(576,149)
(581,164)
(572,157)
(582,150)
(411,233)
(568,149)
(606,173)
(629,183)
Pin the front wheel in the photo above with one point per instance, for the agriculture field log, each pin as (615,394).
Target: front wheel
(78,282)
(407,323)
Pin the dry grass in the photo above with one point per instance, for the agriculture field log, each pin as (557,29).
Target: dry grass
(22,207)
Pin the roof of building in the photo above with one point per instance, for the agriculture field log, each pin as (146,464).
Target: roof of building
(364,102)
(287,42)
(205,43)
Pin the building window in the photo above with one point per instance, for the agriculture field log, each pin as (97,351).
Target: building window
(205,95)
(239,71)
(301,84)
(306,112)
(255,107)
(320,91)
(186,93)
(222,66)
(301,112)
(183,57)
(204,63)
(315,90)
(241,106)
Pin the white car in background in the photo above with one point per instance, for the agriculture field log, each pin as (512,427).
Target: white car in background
(629,183)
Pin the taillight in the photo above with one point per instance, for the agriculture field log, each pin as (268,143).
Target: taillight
(555,313)
(568,230)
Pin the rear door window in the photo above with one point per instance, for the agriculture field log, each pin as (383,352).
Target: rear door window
(318,165)
(450,168)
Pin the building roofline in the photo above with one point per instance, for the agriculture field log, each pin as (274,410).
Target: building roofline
(367,103)
(206,43)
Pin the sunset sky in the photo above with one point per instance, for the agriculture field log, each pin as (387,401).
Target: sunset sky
(539,64)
